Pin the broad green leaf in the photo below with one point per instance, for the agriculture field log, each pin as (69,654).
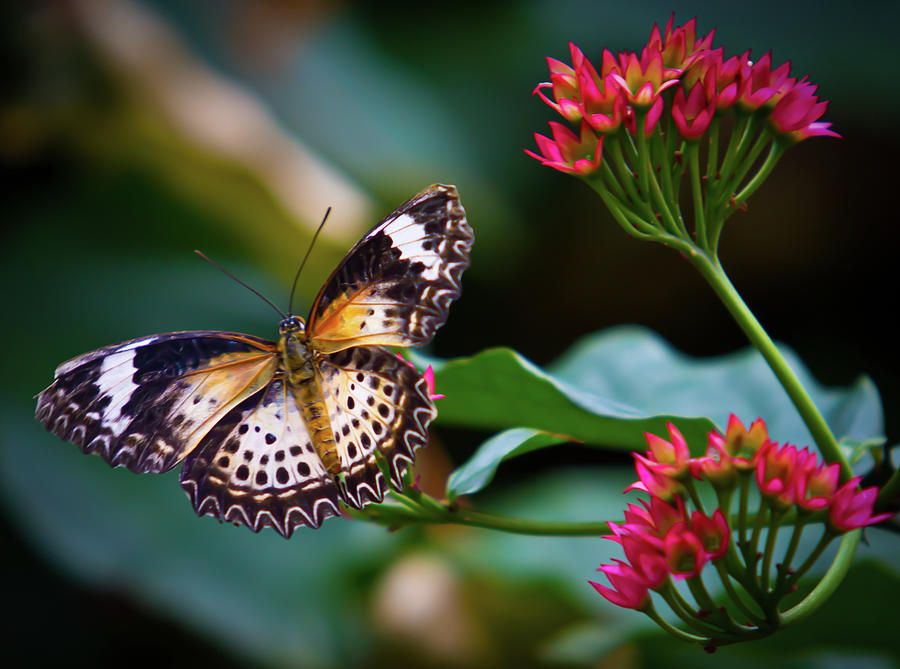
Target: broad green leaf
(478,471)
(636,366)
(612,387)
(498,388)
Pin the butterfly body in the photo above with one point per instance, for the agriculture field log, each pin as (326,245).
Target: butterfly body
(281,433)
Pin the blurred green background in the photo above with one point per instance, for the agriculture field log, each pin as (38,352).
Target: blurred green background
(132,133)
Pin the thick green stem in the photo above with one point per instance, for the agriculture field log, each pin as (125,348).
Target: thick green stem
(715,276)
(833,578)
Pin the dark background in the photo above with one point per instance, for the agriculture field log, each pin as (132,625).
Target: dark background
(107,186)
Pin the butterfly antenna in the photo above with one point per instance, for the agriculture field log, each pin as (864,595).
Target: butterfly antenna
(229,274)
(303,262)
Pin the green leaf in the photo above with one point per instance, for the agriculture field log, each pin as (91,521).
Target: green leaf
(478,471)
(639,368)
(613,386)
(499,388)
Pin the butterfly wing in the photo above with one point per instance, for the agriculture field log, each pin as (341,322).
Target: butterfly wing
(258,467)
(146,403)
(379,407)
(395,286)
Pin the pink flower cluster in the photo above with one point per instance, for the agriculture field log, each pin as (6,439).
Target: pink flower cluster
(628,89)
(661,539)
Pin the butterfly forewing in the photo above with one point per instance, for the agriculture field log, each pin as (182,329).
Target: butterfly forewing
(396,285)
(258,467)
(144,404)
(379,408)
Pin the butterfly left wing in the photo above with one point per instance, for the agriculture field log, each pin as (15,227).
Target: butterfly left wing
(395,286)
(379,408)
(145,403)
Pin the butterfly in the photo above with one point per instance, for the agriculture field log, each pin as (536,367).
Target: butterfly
(279,434)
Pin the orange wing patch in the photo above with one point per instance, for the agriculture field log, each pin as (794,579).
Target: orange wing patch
(395,286)
(146,404)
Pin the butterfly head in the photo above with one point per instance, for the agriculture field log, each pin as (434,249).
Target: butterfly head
(292,325)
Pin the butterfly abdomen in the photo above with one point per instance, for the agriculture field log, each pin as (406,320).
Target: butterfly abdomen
(301,374)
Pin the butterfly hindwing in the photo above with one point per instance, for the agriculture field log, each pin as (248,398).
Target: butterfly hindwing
(395,286)
(379,407)
(144,404)
(258,467)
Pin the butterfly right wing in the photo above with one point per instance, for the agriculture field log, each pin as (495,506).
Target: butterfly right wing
(258,467)
(144,404)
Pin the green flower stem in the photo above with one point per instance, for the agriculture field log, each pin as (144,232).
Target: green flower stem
(627,175)
(812,558)
(411,513)
(829,583)
(784,571)
(726,204)
(776,150)
(712,152)
(649,182)
(692,493)
(674,631)
(738,133)
(715,614)
(712,271)
(771,536)
(609,180)
(693,159)
(688,615)
(748,130)
(751,550)
(742,508)
(734,596)
(630,222)
(523,526)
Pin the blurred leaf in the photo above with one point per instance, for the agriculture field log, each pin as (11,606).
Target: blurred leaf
(478,470)
(855,450)
(638,367)
(274,601)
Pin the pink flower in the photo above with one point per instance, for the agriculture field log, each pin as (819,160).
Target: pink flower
(758,82)
(429,381)
(657,516)
(644,552)
(564,84)
(629,589)
(685,553)
(797,112)
(602,104)
(679,47)
(713,533)
(851,508)
(744,445)
(693,113)
(428,375)
(668,458)
(775,471)
(653,483)
(567,152)
(717,466)
(815,484)
(642,79)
